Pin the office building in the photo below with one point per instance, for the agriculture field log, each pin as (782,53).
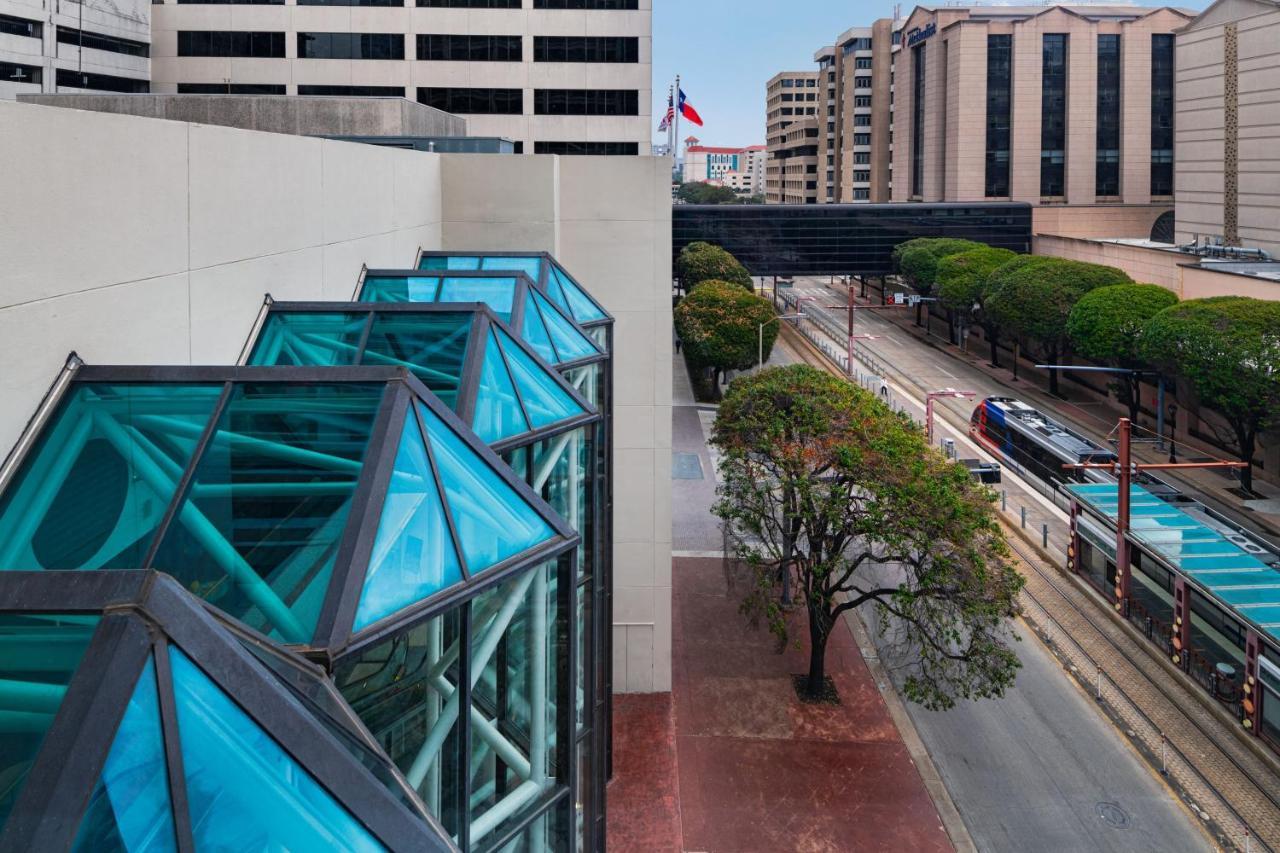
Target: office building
(1227,129)
(554,76)
(792,138)
(742,169)
(1057,105)
(74,47)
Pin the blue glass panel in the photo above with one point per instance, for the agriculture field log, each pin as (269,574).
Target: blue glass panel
(531,267)
(309,339)
(244,791)
(497,293)
(556,292)
(400,289)
(413,554)
(579,305)
(450,262)
(498,413)
(570,343)
(493,521)
(544,398)
(535,332)
(39,654)
(433,345)
(95,487)
(129,809)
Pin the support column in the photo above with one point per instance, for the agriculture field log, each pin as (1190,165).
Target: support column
(1073,539)
(1122,523)
(1181,638)
(1251,705)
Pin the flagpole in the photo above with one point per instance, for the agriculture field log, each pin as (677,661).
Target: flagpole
(671,104)
(676,128)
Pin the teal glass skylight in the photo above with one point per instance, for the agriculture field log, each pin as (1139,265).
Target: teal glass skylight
(130,808)
(530,266)
(578,304)
(309,339)
(545,401)
(570,344)
(534,331)
(497,293)
(244,791)
(545,272)
(400,289)
(498,414)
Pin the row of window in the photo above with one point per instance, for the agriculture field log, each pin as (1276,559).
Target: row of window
(97,41)
(280,89)
(508,48)
(70,79)
(438,47)
(11,25)
(437,4)
(574,102)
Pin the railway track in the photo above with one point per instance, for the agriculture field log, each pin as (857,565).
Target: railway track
(1221,781)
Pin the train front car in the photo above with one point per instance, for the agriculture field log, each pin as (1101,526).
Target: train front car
(1031,442)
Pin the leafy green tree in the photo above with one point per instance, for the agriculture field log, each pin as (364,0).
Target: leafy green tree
(917,262)
(701,262)
(719,325)
(1034,300)
(1228,349)
(1106,326)
(822,483)
(698,192)
(962,287)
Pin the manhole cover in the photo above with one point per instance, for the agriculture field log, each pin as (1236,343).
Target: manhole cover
(1113,816)
(686,466)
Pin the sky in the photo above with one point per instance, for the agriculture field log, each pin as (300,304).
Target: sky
(726,50)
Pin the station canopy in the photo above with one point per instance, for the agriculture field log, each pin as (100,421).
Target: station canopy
(307,503)
(1226,571)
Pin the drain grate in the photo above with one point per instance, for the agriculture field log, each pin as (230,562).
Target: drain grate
(1113,816)
(686,466)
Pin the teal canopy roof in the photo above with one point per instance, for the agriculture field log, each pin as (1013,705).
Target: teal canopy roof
(468,358)
(1186,540)
(545,271)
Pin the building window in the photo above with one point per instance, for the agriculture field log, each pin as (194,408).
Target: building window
(464,48)
(586,4)
(586,102)
(97,41)
(1107,180)
(1162,114)
(862,120)
(350,2)
(354,91)
(1053,114)
(68,79)
(350,46)
(594,148)
(862,176)
(917,118)
(862,82)
(586,49)
(788,97)
(13,26)
(470,4)
(999,88)
(229,2)
(862,139)
(862,100)
(809,84)
(12,72)
(862,62)
(232,89)
(862,194)
(221,43)
(473,101)
(862,158)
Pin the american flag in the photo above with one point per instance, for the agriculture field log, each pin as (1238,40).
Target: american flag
(670,116)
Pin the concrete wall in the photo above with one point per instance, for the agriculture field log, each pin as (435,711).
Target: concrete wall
(312,116)
(1114,221)
(164,258)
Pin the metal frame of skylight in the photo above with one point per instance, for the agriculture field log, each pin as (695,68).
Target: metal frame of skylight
(142,613)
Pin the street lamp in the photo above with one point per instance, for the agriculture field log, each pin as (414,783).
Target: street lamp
(760,351)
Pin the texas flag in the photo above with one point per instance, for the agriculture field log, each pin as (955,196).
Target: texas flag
(687,110)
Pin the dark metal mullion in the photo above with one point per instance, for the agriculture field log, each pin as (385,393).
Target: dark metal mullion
(472,361)
(464,724)
(547,806)
(364,337)
(546,328)
(173,748)
(552,370)
(524,412)
(545,433)
(566,631)
(440,493)
(188,474)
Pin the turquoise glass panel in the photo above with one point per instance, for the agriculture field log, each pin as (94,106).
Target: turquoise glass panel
(493,521)
(450,262)
(556,292)
(95,486)
(400,289)
(245,792)
(413,554)
(432,345)
(308,339)
(498,413)
(534,332)
(579,305)
(129,809)
(570,343)
(530,266)
(497,293)
(258,532)
(545,400)
(39,654)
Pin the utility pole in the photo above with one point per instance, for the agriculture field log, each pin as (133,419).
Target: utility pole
(928,407)
(850,306)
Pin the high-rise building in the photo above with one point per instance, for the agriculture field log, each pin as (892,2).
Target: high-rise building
(554,76)
(1228,100)
(74,47)
(792,142)
(1058,105)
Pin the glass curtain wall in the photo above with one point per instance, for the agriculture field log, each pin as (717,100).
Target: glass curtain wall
(917,118)
(1053,115)
(1107,179)
(999,101)
(1162,66)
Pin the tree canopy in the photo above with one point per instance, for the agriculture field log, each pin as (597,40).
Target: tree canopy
(701,262)
(1034,299)
(719,325)
(1228,349)
(917,261)
(962,284)
(1106,326)
(699,192)
(823,483)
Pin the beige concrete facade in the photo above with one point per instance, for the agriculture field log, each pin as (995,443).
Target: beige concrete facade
(954,137)
(792,141)
(1228,125)
(219,216)
(527,128)
(33,60)
(861,67)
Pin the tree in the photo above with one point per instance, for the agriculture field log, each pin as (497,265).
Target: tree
(1034,300)
(701,262)
(1228,349)
(1106,326)
(698,192)
(823,483)
(917,262)
(719,325)
(962,287)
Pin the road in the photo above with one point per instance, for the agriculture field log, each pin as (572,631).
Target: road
(1041,768)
